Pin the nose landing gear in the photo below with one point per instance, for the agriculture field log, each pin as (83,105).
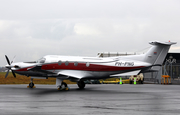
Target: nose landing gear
(31,84)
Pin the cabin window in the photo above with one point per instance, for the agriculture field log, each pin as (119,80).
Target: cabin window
(59,62)
(75,63)
(66,63)
(87,64)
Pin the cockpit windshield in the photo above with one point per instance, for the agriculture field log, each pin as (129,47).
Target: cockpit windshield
(42,60)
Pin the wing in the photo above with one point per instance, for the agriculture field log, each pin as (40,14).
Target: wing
(37,68)
(74,74)
(62,73)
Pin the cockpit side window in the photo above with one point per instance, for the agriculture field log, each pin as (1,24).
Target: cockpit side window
(42,60)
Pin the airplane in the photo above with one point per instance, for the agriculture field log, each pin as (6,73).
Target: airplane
(78,69)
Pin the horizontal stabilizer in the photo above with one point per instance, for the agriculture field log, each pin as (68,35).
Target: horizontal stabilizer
(162,43)
(126,74)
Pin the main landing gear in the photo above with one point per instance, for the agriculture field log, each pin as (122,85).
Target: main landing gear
(81,84)
(31,84)
(63,86)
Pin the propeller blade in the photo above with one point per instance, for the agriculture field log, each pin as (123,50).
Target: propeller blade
(7,73)
(13,59)
(9,67)
(13,73)
(7,60)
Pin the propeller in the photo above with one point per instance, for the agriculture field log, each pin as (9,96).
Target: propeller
(9,67)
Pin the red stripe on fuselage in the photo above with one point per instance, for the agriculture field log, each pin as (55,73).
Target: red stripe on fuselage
(82,66)
(24,69)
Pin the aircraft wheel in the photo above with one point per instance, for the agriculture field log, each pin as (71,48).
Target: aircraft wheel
(31,85)
(81,84)
(63,85)
(130,82)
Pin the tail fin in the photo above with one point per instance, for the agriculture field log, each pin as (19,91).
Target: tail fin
(157,53)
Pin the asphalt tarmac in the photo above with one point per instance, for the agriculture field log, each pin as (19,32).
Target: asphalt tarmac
(102,99)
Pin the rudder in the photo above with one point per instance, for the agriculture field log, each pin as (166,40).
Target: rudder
(157,53)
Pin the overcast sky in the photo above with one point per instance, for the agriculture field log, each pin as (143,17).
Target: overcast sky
(31,29)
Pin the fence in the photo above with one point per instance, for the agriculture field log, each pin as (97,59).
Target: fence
(173,71)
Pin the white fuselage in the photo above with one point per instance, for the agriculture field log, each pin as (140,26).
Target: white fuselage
(79,67)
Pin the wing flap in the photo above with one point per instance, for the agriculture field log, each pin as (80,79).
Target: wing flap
(75,74)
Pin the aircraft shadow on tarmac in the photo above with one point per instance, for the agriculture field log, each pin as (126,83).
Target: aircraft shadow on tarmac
(82,91)
(41,91)
(51,90)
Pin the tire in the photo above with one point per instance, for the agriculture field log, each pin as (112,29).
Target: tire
(31,85)
(142,82)
(130,82)
(63,85)
(81,84)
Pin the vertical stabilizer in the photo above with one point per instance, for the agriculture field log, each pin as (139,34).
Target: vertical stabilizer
(157,53)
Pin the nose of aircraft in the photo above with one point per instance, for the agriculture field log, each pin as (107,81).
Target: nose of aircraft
(8,66)
(12,66)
